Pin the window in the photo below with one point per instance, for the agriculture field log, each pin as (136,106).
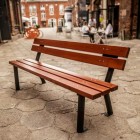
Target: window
(42,8)
(23,10)
(43,16)
(32,9)
(61,22)
(51,10)
(61,9)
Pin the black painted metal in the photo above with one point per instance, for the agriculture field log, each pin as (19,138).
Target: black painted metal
(108,79)
(38,56)
(80,114)
(16,78)
(107,97)
(37,59)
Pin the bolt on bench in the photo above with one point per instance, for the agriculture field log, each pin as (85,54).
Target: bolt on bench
(97,54)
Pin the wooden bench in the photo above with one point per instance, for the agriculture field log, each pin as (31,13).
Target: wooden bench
(107,56)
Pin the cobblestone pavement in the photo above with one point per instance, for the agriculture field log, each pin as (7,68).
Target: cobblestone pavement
(48,112)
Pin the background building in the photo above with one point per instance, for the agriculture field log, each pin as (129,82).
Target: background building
(46,13)
(124,14)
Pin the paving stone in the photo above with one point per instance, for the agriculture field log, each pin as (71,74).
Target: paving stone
(134,88)
(51,95)
(59,106)
(49,134)
(134,123)
(91,135)
(26,85)
(41,87)
(71,96)
(128,100)
(31,105)
(4,73)
(6,85)
(8,117)
(8,103)
(5,93)
(131,136)
(67,122)
(30,78)
(124,110)
(93,108)
(37,120)
(14,132)
(107,126)
(26,94)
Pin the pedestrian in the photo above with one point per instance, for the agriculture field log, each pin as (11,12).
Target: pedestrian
(109,28)
(92,22)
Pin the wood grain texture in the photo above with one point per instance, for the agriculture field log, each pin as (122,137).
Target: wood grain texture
(75,87)
(82,57)
(86,47)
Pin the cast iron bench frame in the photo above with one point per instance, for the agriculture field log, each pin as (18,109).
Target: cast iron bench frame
(112,57)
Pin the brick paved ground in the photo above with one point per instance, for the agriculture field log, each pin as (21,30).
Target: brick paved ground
(48,112)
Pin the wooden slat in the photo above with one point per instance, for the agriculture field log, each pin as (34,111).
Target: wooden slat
(87,47)
(86,78)
(68,77)
(87,58)
(79,89)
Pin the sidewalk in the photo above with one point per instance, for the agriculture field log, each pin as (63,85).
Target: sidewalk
(48,112)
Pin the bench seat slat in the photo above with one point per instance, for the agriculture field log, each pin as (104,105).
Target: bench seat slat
(87,58)
(68,77)
(78,88)
(113,87)
(94,48)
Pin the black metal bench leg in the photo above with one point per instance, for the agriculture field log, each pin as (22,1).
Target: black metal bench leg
(17,86)
(80,114)
(108,105)
(42,80)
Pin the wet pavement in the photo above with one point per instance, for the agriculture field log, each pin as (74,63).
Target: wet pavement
(48,111)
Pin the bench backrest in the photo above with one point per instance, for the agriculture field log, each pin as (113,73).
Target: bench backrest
(98,54)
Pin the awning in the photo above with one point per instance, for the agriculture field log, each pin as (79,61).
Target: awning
(24,19)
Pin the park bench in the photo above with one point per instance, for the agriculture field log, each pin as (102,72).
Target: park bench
(112,57)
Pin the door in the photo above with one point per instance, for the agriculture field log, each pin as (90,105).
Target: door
(138,25)
(113,15)
(5,32)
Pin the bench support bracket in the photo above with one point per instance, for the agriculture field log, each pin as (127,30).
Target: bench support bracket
(107,97)
(16,78)
(80,115)
(37,59)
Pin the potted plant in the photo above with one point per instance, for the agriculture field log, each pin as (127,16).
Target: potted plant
(37,26)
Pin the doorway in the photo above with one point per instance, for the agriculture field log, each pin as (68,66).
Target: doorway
(138,25)
(113,15)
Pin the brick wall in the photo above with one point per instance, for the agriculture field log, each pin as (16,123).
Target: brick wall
(46,4)
(128,18)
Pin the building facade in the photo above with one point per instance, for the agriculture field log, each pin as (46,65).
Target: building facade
(124,14)
(46,13)
(10,19)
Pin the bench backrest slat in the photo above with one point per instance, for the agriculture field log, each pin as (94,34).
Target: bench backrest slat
(82,57)
(101,55)
(87,47)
